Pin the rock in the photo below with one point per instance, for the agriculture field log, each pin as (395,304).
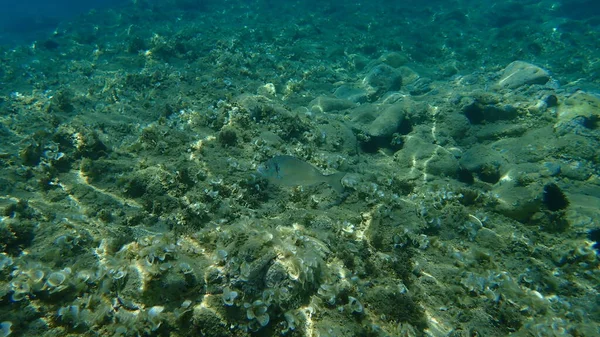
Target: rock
(388,122)
(420,86)
(259,106)
(441,163)
(520,73)
(252,102)
(350,93)
(429,159)
(518,202)
(379,120)
(359,61)
(578,113)
(394,59)
(484,162)
(576,147)
(267,90)
(336,136)
(270,139)
(500,130)
(487,238)
(479,111)
(381,79)
(408,75)
(534,146)
(550,169)
(330,104)
(577,170)
(451,128)
(584,209)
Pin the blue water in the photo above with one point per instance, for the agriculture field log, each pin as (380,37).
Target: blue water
(27,20)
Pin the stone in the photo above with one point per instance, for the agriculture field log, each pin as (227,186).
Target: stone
(484,162)
(487,238)
(330,104)
(388,121)
(379,120)
(354,94)
(578,114)
(381,79)
(577,170)
(394,59)
(409,76)
(452,127)
(267,90)
(518,202)
(520,73)
(479,111)
(431,160)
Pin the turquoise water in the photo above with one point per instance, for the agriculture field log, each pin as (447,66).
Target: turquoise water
(131,135)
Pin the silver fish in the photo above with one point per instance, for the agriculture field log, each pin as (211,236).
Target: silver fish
(291,171)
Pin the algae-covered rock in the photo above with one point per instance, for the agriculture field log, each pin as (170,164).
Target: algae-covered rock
(577,170)
(267,90)
(518,202)
(484,162)
(578,113)
(388,121)
(337,136)
(500,130)
(395,305)
(430,159)
(489,239)
(259,107)
(131,203)
(409,75)
(381,79)
(206,322)
(381,120)
(452,127)
(394,59)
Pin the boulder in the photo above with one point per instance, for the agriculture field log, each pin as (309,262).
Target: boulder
(578,114)
(520,73)
(351,93)
(379,120)
(381,79)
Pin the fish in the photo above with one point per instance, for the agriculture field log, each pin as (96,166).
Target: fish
(290,171)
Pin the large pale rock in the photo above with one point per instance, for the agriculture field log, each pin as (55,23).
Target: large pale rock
(520,73)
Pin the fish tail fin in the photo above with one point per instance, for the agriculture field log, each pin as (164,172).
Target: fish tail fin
(335,181)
